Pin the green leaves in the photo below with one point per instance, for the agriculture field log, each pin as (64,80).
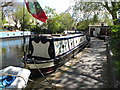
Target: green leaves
(82,25)
(57,23)
(21,13)
(117,63)
(115,46)
(36,29)
(89,9)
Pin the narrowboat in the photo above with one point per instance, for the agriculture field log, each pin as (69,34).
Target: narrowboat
(99,31)
(48,52)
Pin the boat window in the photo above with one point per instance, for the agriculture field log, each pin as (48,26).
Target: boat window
(13,34)
(8,34)
(80,39)
(71,43)
(76,41)
(21,33)
(63,46)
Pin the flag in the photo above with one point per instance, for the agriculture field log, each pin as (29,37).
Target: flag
(35,10)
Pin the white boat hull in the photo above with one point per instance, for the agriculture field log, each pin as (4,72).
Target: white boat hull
(41,65)
(13,34)
(22,76)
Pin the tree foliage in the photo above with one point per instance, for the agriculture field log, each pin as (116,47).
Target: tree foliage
(17,13)
(89,9)
(22,16)
(61,22)
(67,20)
(50,11)
(57,23)
(85,10)
(83,25)
(115,46)
(112,8)
(3,6)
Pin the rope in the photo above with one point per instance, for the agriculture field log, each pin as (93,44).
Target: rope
(32,80)
(39,69)
(42,75)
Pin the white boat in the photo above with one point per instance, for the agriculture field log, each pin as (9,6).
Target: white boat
(14,77)
(13,34)
(99,31)
(48,52)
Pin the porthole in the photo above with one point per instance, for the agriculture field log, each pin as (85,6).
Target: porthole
(8,34)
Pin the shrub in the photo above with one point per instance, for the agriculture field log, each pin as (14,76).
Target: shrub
(115,46)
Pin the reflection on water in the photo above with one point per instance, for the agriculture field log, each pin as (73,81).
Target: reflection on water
(12,51)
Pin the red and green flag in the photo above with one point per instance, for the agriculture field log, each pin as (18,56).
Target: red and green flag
(35,10)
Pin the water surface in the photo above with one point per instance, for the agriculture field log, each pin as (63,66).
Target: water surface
(12,51)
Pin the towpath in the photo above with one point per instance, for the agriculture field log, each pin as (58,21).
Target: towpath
(86,70)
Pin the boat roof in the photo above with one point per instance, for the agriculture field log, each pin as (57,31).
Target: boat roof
(58,37)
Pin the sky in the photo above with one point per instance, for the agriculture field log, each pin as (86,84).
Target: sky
(59,5)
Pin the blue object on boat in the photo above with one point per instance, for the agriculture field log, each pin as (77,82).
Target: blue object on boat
(5,81)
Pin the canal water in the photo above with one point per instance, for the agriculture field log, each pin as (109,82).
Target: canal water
(12,51)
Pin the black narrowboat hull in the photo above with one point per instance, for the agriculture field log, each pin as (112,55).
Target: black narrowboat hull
(45,67)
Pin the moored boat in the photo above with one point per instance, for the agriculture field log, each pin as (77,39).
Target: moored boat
(14,77)
(13,34)
(48,52)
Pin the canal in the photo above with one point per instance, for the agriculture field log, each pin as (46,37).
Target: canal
(12,51)
(86,70)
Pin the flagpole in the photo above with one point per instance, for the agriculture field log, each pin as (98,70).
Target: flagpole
(23,27)
(1,17)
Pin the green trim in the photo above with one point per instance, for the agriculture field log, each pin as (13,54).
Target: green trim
(38,7)
(32,8)
(3,30)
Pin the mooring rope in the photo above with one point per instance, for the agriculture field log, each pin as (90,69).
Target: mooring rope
(42,75)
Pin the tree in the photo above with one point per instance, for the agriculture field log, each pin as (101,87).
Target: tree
(112,8)
(0,20)
(50,11)
(52,24)
(61,22)
(7,7)
(83,25)
(22,16)
(17,13)
(85,10)
(67,20)
(58,22)
(88,9)
(3,6)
